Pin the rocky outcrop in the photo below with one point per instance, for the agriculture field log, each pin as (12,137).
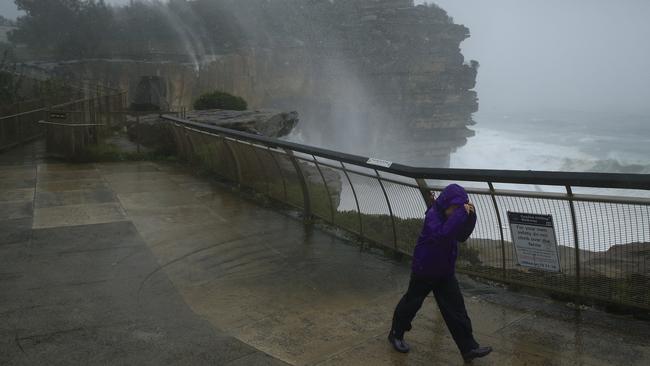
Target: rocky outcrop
(269,123)
(154,134)
(373,77)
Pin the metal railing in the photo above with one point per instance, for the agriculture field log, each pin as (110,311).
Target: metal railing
(80,103)
(68,126)
(20,125)
(602,232)
(19,128)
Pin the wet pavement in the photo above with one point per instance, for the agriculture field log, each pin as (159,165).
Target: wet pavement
(144,263)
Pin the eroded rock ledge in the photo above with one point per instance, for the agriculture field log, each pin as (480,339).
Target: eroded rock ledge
(267,122)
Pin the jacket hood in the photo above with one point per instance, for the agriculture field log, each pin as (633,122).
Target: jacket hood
(453,194)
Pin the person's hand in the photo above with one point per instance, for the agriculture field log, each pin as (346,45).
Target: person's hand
(432,198)
(469,208)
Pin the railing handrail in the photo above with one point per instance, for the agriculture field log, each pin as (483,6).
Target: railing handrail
(550,178)
(64,104)
(23,113)
(71,124)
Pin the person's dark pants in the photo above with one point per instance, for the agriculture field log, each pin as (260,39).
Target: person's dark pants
(451,304)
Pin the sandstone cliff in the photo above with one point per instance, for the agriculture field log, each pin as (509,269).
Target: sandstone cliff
(375,77)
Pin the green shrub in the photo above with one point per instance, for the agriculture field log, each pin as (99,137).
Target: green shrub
(220,100)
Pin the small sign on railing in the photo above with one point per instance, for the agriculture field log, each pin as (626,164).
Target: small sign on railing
(58,115)
(379,162)
(534,238)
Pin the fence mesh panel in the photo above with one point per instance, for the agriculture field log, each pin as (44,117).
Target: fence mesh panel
(292,186)
(319,196)
(375,216)
(276,184)
(483,253)
(408,209)
(252,173)
(613,260)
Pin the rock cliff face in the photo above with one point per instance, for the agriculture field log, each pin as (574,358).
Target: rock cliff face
(374,77)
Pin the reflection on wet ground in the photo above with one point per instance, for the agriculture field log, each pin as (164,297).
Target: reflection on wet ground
(144,263)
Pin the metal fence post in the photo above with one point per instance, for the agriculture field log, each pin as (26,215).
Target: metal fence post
(327,190)
(191,154)
(137,131)
(46,128)
(3,138)
(19,126)
(503,242)
(390,209)
(277,165)
(263,169)
(425,191)
(41,129)
(19,130)
(303,185)
(211,141)
(356,199)
(574,221)
(235,160)
(182,138)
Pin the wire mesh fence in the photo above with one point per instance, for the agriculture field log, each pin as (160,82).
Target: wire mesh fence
(602,242)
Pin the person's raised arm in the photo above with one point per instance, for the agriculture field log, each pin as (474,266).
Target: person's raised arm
(468,226)
(447,229)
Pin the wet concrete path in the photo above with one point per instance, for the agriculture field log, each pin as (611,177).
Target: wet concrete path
(144,263)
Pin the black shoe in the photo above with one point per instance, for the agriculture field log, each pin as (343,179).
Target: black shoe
(477,352)
(398,344)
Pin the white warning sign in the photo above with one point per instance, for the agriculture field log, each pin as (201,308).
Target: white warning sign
(379,162)
(534,239)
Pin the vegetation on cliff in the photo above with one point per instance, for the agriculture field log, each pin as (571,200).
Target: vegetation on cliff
(19,92)
(10,82)
(68,29)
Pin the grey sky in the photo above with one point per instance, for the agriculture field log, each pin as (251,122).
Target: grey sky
(590,55)
(8,9)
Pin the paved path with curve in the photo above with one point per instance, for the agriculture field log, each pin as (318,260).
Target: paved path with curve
(144,263)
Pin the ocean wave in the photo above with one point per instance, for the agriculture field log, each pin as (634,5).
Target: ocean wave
(500,149)
(604,166)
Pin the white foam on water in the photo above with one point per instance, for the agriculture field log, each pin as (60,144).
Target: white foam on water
(498,149)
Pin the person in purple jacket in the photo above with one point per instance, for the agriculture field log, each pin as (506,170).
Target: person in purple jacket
(450,219)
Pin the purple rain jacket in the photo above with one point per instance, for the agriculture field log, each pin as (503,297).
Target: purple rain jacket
(437,247)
